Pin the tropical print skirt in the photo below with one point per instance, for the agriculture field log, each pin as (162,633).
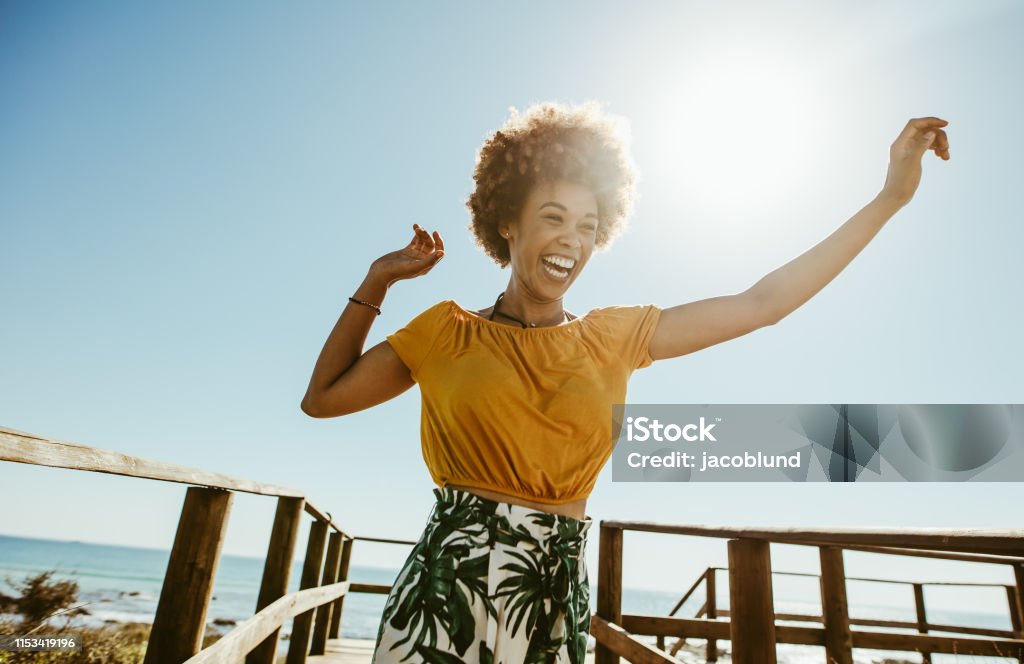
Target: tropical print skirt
(489,583)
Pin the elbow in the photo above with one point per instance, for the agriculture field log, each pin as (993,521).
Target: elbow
(312,408)
(771,317)
(308,408)
(317,410)
(768,311)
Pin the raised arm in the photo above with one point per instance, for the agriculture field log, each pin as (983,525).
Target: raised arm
(345,380)
(690,327)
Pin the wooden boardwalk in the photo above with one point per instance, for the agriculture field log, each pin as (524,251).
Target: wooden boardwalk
(356,651)
(343,651)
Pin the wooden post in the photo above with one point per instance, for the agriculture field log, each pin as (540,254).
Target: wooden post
(609,587)
(835,611)
(1018,574)
(180,619)
(922,619)
(298,648)
(711,608)
(277,569)
(323,612)
(346,554)
(751,611)
(1015,617)
(1017,604)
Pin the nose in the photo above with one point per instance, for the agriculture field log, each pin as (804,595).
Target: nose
(571,239)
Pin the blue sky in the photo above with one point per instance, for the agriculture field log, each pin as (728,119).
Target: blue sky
(190,191)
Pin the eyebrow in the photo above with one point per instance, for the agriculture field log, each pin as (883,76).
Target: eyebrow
(563,208)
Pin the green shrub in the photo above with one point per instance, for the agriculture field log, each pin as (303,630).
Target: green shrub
(116,644)
(41,598)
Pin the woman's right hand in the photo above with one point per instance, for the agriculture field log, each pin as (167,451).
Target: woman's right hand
(417,258)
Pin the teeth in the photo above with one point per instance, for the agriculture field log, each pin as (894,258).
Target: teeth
(567,263)
(556,274)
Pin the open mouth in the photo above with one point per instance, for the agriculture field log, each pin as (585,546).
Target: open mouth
(557,267)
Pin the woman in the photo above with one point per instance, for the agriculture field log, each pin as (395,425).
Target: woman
(516,397)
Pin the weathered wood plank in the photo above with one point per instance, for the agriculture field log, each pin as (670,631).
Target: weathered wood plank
(298,645)
(618,641)
(359,651)
(385,540)
(711,611)
(277,569)
(180,618)
(752,626)
(323,613)
(346,556)
(609,587)
(248,634)
(835,613)
(374,588)
(944,555)
(698,628)
(1018,591)
(1001,541)
(922,619)
(939,644)
(22,447)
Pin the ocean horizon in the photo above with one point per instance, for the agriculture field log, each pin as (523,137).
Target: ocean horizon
(122,584)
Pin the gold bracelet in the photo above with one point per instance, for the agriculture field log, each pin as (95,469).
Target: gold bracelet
(369,304)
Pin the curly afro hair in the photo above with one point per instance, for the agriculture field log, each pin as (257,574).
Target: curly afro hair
(546,143)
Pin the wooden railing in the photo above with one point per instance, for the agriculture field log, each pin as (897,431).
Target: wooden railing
(750,624)
(180,619)
(179,623)
(921,624)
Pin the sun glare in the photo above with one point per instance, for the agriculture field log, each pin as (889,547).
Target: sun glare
(740,138)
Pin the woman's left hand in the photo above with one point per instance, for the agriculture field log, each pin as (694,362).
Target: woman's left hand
(906,152)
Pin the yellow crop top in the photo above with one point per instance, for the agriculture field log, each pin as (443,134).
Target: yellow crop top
(523,411)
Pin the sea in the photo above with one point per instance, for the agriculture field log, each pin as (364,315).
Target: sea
(122,584)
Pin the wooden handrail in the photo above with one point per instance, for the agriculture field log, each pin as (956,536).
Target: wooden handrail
(945,555)
(384,540)
(876,622)
(179,623)
(751,625)
(1001,541)
(248,634)
(720,629)
(866,578)
(22,447)
(618,639)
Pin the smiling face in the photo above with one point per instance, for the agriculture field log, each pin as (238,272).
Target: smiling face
(554,237)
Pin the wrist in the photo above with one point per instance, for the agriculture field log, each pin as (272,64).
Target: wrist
(373,289)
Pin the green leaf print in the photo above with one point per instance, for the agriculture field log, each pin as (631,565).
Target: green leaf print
(435,656)
(432,594)
(441,595)
(486,656)
(524,588)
